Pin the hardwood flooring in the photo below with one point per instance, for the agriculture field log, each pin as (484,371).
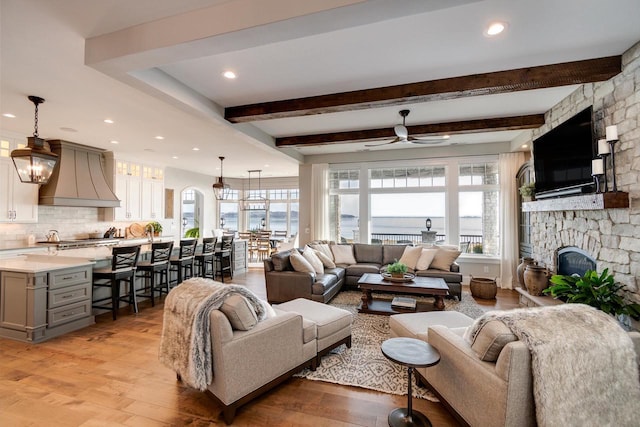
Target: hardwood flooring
(109,375)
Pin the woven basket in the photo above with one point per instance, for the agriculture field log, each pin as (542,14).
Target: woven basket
(483,288)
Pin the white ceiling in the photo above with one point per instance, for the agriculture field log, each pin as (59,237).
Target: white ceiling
(154,67)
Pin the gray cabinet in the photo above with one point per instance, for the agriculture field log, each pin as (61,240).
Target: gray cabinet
(38,306)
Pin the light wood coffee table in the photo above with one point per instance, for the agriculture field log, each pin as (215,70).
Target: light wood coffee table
(430,286)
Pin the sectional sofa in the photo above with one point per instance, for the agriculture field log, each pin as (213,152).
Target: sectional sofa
(284,283)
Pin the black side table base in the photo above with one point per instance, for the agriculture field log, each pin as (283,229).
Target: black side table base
(400,418)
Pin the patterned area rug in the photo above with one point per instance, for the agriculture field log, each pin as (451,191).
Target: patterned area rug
(364,365)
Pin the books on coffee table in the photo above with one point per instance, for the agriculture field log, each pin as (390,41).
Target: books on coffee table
(404,302)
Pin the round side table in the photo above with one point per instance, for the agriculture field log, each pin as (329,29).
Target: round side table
(411,353)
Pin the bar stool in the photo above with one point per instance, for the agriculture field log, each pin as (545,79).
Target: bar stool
(223,257)
(205,258)
(123,268)
(183,263)
(158,265)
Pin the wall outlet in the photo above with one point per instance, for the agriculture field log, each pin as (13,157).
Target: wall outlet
(307,230)
(486,269)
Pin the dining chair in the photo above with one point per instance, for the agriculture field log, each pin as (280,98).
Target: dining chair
(123,269)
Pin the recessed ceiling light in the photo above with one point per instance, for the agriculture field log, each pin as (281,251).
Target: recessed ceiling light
(174,157)
(525,146)
(67,129)
(445,137)
(495,28)
(9,115)
(113,141)
(229,75)
(266,166)
(108,121)
(195,149)
(159,137)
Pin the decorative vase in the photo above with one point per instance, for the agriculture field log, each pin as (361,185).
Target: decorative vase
(524,262)
(536,279)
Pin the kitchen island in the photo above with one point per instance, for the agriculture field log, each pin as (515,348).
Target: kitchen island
(43,296)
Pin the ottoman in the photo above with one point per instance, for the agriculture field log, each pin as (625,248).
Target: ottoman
(416,325)
(333,325)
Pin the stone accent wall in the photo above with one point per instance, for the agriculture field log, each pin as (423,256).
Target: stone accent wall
(611,236)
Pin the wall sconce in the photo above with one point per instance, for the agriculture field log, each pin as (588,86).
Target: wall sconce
(603,151)
(35,162)
(611,133)
(428,224)
(220,189)
(222,222)
(263,223)
(184,222)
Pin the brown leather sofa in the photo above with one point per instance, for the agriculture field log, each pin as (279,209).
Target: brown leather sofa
(285,284)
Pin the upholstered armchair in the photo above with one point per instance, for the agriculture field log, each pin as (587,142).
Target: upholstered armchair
(248,363)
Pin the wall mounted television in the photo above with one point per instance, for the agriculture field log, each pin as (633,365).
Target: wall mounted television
(562,157)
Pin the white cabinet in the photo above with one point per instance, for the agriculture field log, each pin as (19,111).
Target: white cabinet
(140,189)
(152,193)
(18,201)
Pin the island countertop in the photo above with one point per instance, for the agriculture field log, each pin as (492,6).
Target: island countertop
(41,263)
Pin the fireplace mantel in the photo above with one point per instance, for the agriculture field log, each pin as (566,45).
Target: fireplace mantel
(585,202)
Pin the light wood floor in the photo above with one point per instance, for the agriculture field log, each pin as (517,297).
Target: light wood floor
(109,374)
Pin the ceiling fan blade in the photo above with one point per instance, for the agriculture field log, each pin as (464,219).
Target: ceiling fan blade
(384,143)
(426,141)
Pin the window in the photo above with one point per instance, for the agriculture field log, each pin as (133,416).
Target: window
(229,212)
(478,207)
(282,214)
(459,196)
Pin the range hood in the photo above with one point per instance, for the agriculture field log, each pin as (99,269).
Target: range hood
(78,179)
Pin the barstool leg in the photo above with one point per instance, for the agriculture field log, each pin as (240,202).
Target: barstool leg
(132,294)
(115,297)
(153,288)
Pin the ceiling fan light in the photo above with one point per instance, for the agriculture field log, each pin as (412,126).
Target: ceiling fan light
(401,131)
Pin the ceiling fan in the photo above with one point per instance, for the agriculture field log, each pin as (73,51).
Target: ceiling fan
(402,135)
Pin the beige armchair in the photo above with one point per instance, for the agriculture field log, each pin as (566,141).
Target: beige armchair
(248,363)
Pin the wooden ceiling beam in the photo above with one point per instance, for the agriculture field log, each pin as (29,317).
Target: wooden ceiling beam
(538,77)
(469,126)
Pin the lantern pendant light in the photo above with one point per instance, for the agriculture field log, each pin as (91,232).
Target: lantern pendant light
(220,189)
(35,162)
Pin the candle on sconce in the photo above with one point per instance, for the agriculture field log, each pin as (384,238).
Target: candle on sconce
(603,147)
(597,167)
(612,133)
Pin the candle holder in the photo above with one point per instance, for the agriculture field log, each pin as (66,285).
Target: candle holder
(596,179)
(604,163)
(612,144)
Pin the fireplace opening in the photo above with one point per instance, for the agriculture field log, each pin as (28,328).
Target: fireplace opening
(572,260)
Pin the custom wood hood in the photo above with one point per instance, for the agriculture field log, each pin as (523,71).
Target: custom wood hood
(78,179)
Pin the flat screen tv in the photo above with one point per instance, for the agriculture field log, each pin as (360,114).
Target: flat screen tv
(562,157)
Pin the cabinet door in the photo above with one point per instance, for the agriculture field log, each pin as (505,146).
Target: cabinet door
(134,195)
(120,213)
(6,190)
(25,200)
(157,200)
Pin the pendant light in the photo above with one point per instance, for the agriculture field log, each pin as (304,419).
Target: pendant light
(254,200)
(220,189)
(35,162)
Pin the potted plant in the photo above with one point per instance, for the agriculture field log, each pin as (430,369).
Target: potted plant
(156,227)
(192,233)
(397,269)
(597,290)
(527,191)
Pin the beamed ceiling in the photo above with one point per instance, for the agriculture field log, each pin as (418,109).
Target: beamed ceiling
(314,78)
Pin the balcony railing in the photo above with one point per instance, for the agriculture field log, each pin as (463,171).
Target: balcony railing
(467,241)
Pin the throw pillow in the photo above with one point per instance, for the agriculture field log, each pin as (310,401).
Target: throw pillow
(491,339)
(425,259)
(300,264)
(310,255)
(324,248)
(326,261)
(343,254)
(444,258)
(240,313)
(281,261)
(410,256)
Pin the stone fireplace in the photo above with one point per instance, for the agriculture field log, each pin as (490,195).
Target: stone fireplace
(573,260)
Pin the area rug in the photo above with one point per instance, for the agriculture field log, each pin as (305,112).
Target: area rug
(364,365)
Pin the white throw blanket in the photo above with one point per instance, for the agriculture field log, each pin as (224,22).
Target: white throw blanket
(584,366)
(185,345)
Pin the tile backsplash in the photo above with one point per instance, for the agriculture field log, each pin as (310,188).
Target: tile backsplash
(71,223)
